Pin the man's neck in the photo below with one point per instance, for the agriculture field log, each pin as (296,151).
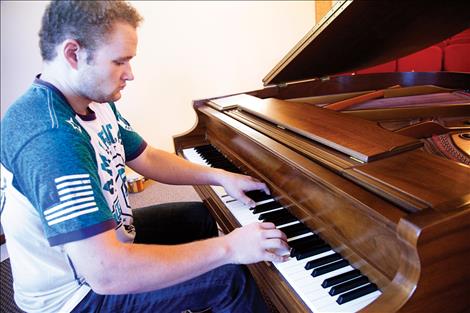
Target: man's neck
(78,103)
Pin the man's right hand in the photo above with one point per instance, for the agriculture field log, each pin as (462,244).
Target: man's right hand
(257,242)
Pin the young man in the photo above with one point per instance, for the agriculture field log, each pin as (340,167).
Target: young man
(73,241)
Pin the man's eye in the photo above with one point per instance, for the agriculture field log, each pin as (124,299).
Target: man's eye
(118,62)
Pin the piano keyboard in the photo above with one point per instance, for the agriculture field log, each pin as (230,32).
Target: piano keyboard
(321,277)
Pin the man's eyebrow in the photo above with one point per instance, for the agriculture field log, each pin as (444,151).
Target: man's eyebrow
(124,58)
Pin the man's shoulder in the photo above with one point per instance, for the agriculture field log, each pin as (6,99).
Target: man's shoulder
(39,107)
(38,111)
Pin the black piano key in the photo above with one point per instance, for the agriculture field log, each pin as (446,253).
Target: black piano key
(258,195)
(313,251)
(348,285)
(278,217)
(304,241)
(329,268)
(273,214)
(215,164)
(294,230)
(284,220)
(356,293)
(307,246)
(268,206)
(323,261)
(341,278)
(215,158)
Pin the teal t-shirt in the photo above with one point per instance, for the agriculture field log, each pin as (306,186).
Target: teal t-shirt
(63,179)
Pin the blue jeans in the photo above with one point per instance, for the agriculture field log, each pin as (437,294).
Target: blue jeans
(227,289)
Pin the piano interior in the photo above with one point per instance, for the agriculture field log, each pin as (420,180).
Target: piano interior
(369,175)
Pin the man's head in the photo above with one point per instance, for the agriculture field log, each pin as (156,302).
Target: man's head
(92,43)
(88,22)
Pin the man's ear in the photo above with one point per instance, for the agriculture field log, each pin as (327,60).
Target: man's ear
(70,51)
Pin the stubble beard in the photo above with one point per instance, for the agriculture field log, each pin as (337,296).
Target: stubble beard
(91,90)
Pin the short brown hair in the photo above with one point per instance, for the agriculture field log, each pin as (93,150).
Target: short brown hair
(88,22)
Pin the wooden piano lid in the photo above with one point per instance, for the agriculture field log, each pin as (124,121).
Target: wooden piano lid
(358,138)
(361,139)
(359,34)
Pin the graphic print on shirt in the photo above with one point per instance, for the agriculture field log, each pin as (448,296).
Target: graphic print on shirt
(110,155)
(123,122)
(113,164)
(76,198)
(75,126)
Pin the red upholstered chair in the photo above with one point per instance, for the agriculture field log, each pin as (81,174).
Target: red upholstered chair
(463,37)
(381,68)
(442,44)
(426,60)
(458,40)
(457,58)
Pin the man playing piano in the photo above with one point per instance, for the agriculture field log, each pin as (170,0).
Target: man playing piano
(74,243)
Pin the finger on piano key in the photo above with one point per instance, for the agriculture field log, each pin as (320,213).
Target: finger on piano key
(300,264)
(222,194)
(258,195)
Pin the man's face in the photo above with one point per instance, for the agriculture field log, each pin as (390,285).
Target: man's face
(106,74)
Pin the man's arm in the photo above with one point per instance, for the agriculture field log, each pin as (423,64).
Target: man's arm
(112,267)
(171,169)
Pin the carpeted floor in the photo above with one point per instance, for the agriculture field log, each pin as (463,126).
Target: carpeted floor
(7,303)
(155,193)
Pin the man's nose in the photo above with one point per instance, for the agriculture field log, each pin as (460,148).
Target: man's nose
(128,75)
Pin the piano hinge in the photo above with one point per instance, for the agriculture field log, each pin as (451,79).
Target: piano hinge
(281,85)
(357,160)
(281,127)
(324,78)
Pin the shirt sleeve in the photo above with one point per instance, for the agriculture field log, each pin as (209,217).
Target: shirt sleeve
(133,143)
(57,172)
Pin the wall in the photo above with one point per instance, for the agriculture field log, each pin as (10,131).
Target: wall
(187,50)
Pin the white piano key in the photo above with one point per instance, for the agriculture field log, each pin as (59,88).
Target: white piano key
(319,279)
(300,236)
(193,156)
(288,224)
(351,306)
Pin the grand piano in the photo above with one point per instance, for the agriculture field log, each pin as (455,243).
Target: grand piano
(374,194)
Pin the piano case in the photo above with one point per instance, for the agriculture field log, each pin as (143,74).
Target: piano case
(369,179)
